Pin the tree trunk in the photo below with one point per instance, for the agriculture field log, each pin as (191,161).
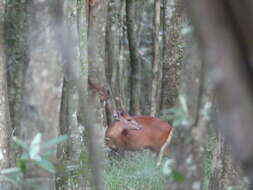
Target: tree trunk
(226,172)
(229,49)
(64,150)
(43,80)
(72,36)
(17,59)
(173,20)
(157,72)
(187,142)
(135,80)
(97,59)
(5,125)
(113,29)
(67,41)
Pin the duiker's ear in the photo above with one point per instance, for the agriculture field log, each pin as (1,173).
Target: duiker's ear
(124,114)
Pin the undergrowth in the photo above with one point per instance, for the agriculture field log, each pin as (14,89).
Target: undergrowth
(210,146)
(138,172)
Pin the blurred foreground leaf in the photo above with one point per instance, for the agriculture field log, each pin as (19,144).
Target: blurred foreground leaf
(55,141)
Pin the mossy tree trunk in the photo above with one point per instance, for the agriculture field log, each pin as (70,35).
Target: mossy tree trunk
(173,20)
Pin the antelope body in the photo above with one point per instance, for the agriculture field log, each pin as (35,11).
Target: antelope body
(139,132)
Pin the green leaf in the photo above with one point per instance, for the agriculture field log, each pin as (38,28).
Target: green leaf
(171,110)
(183,103)
(21,143)
(36,140)
(34,153)
(9,179)
(176,122)
(21,164)
(177,176)
(49,153)
(35,147)
(33,183)
(24,156)
(38,187)
(10,171)
(168,117)
(186,30)
(55,141)
(47,165)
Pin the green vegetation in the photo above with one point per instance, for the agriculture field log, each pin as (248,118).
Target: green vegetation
(139,172)
(208,161)
(34,156)
(178,115)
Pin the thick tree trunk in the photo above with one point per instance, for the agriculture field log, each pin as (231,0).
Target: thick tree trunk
(104,103)
(43,80)
(72,42)
(173,20)
(68,43)
(225,41)
(135,80)
(187,142)
(17,59)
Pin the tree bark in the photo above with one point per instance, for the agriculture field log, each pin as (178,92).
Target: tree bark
(173,48)
(72,36)
(135,80)
(226,172)
(43,80)
(5,125)
(17,58)
(225,43)
(97,60)
(64,150)
(113,29)
(187,144)
(157,72)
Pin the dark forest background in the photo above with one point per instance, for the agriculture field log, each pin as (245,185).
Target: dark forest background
(66,66)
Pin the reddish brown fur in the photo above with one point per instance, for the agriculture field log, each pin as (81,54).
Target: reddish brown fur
(153,134)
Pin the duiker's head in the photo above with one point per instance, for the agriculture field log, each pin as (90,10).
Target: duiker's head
(113,134)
